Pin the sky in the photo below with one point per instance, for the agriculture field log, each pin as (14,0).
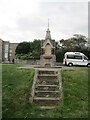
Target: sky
(26,20)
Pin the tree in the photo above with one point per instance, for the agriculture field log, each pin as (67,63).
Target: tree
(23,47)
(36,48)
(67,44)
(29,50)
(80,41)
(75,43)
(59,52)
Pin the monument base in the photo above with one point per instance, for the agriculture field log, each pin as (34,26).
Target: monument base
(47,61)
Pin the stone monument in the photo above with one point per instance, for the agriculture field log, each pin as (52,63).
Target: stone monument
(47,58)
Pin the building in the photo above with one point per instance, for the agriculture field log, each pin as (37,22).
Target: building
(48,57)
(1,43)
(7,51)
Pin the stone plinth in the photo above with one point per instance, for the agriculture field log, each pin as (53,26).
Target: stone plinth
(47,61)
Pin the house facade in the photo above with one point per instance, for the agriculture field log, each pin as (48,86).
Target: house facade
(7,51)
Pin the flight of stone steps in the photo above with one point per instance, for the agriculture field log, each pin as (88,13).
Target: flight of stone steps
(47,88)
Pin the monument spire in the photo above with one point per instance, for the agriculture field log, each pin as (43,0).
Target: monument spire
(48,36)
(48,23)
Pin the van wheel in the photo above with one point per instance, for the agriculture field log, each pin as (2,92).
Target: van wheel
(88,65)
(70,64)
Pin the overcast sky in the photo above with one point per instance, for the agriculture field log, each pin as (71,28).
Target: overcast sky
(26,20)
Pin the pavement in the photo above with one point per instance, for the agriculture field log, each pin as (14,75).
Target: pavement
(27,66)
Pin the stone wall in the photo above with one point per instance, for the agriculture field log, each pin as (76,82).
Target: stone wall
(30,62)
(34,62)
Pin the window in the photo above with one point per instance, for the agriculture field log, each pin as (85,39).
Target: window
(78,57)
(6,55)
(6,48)
(74,57)
(10,54)
(6,51)
(86,58)
(70,56)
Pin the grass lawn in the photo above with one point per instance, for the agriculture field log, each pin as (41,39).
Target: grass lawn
(16,87)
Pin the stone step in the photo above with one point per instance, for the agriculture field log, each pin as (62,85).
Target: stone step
(47,72)
(47,82)
(46,79)
(47,107)
(43,101)
(49,77)
(47,93)
(47,87)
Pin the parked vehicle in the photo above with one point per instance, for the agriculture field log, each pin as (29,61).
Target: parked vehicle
(75,58)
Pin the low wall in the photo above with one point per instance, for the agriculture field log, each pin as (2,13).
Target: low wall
(59,64)
(30,62)
(34,62)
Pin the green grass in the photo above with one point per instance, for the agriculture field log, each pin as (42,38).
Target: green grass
(16,84)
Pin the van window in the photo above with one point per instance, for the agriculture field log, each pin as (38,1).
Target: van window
(78,57)
(85,58)
(70,56)
(74,57)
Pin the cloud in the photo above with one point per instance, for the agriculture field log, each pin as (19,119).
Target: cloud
(25,20)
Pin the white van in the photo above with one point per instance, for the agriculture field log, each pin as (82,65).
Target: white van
(75,58)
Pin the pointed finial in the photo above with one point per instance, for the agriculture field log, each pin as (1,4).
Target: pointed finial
(48,36)
(48,23)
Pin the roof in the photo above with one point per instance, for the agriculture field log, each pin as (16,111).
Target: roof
(74,53)
(52,42)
